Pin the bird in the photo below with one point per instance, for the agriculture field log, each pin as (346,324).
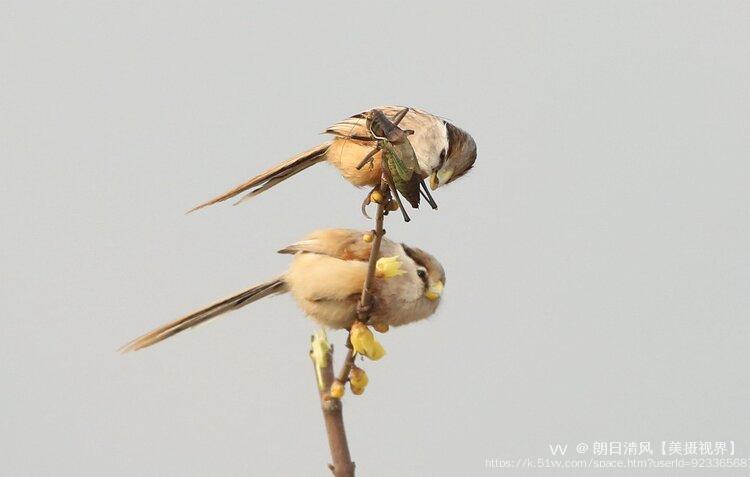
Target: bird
(326,277)
(443,152)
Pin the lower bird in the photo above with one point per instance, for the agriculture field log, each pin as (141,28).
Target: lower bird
(326,277)
(443,153)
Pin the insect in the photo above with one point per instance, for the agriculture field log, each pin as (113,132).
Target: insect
(400,162)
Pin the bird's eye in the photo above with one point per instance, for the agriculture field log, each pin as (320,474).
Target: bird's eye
(422,274)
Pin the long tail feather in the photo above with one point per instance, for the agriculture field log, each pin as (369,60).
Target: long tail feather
(270,177)
(233,302)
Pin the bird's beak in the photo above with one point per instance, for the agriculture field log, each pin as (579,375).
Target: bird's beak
(440,177)
(434,292)
(434,183)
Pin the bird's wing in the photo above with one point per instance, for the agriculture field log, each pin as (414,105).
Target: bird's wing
(344,244)
(319,278)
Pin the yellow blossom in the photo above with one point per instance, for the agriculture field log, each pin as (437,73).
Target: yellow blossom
(364,342)
(358,379)
(389,267)
(367,238)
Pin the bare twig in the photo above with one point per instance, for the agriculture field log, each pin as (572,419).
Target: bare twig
(365,301)
(342,465)
(347,367)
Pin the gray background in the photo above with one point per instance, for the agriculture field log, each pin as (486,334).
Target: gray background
(597,260)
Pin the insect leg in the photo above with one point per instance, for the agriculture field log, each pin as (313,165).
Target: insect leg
(395,193)
(397,119)
(368,158)
(426,194)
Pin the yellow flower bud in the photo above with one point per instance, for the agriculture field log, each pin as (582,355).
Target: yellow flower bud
(337,389)
(376,196)
(319,349)
(358,378)
(377,351)
(381,327)
(356,390)
(388,267)
(367,238)
(364,342)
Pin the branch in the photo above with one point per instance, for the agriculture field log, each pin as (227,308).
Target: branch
(365,300)
(332,413)
(334,421)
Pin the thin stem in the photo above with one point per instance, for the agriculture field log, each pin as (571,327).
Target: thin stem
(333,417)
(365,301)
(347,367)
(332,413)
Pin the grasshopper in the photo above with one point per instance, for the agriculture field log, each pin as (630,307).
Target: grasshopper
(401,167)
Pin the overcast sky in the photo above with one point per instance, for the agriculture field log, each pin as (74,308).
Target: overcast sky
(597,255)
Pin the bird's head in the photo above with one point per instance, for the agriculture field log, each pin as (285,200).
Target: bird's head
(457,160)
(429,271)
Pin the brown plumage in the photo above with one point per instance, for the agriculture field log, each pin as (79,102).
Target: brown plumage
(326,278)
(437,158)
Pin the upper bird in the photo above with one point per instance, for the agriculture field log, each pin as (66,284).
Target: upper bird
(326,278)
(443,153)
